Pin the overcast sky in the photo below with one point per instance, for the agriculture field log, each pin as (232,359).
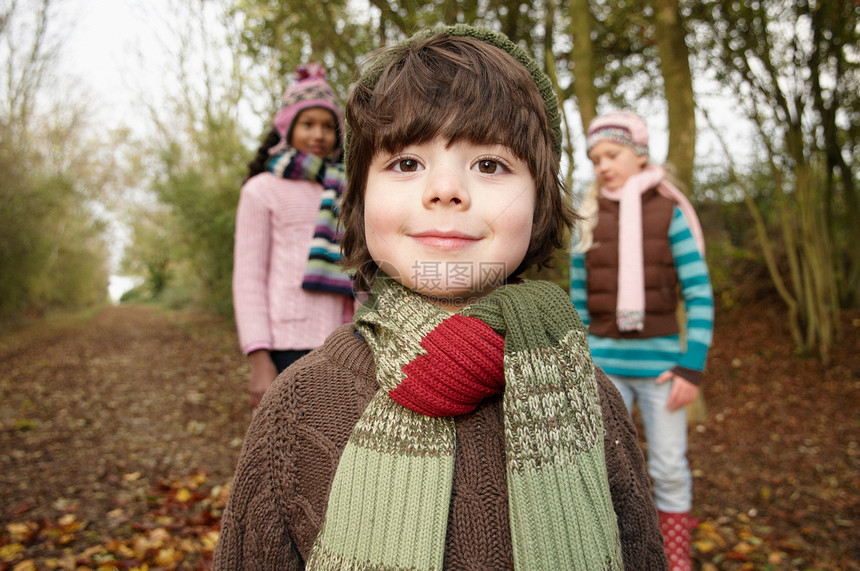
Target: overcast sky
(103,43)
(114,48)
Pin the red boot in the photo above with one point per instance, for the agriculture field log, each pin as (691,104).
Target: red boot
(676,528)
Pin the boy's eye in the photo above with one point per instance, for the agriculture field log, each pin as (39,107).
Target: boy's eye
(490,166)
(406,165)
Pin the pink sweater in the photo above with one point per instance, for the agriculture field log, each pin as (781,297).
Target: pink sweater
(274,227)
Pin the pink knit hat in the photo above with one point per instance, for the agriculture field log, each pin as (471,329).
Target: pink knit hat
(622,127)
(310,90)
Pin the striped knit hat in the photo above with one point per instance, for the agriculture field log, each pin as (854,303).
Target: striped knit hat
(310,90)
(622,127)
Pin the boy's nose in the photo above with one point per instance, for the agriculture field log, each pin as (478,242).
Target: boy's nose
(446,188)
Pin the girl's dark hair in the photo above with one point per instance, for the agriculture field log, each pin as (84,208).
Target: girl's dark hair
(457,88)
(258,165)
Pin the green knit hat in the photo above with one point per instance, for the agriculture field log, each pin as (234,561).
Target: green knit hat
(374,71)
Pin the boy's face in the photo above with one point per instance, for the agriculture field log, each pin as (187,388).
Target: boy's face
(315,132)
(614,163)
(450,223)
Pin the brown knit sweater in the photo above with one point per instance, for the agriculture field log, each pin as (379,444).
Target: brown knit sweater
(280,489)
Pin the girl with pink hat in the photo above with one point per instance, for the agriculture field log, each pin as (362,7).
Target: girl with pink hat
(288,290)
(640,246)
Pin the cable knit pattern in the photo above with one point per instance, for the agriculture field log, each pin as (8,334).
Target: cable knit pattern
(280,490)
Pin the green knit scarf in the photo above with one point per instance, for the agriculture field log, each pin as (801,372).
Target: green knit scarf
(388,506)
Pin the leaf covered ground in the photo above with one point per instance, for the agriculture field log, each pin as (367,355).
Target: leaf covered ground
(119,433)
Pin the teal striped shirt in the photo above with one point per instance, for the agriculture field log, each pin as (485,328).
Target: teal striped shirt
(650,357)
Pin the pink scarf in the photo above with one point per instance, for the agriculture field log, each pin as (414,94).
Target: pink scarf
(630,309)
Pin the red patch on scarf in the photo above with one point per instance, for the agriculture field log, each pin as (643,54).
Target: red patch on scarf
(463,365)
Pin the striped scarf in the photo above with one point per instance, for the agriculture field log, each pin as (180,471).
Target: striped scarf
(388,506)
(323,272)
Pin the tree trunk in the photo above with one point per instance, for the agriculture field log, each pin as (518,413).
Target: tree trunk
(827,50)
(767,249)
(549,64)
(678,84)
(582,56)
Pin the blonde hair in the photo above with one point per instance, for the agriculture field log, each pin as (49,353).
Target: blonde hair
(583,234)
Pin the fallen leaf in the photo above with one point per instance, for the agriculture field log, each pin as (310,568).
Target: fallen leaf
(704,546)
(26,565)
(9,553)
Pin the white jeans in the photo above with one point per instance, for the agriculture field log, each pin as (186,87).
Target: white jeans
(666,434)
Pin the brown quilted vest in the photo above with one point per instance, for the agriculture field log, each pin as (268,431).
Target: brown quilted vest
(661,280)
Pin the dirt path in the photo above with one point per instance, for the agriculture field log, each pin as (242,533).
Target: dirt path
(97,414)
(93,414)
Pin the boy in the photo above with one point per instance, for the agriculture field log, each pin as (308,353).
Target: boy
(459,422)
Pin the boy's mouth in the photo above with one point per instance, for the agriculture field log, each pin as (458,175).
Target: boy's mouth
(445,239)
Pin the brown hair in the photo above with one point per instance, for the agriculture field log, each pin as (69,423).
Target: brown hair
(457,88)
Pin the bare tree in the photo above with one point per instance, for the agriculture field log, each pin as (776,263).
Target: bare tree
(582,56)
(772,53)
(52,252)
(670,35)
(27,53)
